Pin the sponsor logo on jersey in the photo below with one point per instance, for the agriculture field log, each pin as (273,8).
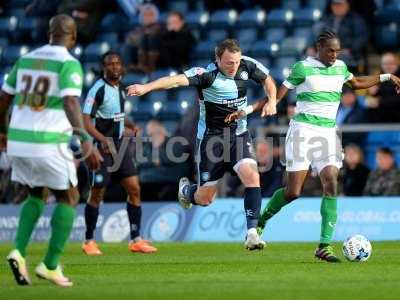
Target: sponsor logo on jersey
(76,78)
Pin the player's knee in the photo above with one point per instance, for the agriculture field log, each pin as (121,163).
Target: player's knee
(249,176)
(291,195)
(96,196)
(134,195)
(330,187)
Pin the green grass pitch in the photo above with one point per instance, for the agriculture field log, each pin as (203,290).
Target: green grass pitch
(212,271)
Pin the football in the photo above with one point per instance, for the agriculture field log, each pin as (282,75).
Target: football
(357,248)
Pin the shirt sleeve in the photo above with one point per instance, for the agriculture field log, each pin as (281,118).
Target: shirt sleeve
(257,71)
(10,85)
(92,102)
(348,75)
(199,77)
(296,76)
(71,79)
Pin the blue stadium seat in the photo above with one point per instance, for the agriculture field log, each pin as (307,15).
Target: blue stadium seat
(375,140)
(284,62)
(142,110)
(274,35)
(320,4)
(217,35)
(264,60)
(90,78)
(172,111)
(162,73)
(157,96)
(387,36)
(279,18)
(304,32)
(92,67)
(251,18)
(94,51)
(196,19)
(246,36)
(8,25)
(306,16)
(291,4)
(132,78)
(203,63)
(77,51)
(111,38)
(292,46)
(280,74)
(16,12)
(263,48)
(113,22)
(179,5)
(189,95)
(222,19)
(204,49)
(171,126)
(388,14)
(12,53)
(3,42)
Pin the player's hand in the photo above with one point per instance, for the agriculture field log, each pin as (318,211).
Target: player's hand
(269,108)
(233,117)
(131,131)
(137,90)
(107,146)
(3,141)
(396,82)
(92,155)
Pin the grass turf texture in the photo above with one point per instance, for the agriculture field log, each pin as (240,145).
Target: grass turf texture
(212,271)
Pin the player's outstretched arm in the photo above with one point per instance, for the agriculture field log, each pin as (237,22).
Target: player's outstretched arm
(162,83)
(73,112)
(364,82)
(269,108)
(5,102)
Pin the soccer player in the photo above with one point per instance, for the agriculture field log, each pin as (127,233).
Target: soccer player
(105,104)
(311,138)
(222,90)
(45,85)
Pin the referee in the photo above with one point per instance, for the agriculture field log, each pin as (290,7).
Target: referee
(105,104)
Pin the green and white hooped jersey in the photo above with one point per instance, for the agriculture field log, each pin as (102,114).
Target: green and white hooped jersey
(318,90)
(39,80)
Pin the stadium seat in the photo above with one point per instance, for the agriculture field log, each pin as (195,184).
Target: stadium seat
(279,18)
(172,111)
(217,35)
(113,22)
(274,35)
(263,48)
(304,32)
(222,19)
(291,4)
(284,62)
(189,95)
(280,74)
(264,60)
(132,78)
(3,42)
(388,14)
(179,5)
(203,63)
(251,18)
(90,78)
(246,36)
(162,73)
(196,19)
(387,36)
(8,25)
(77,51)
(12,53)
(16,12)
(111,38)
(171,126)
(292,46)
(306,17)
(204,49)
(141,110)
(157,96)
(94,51)
(320,4)
(94,67)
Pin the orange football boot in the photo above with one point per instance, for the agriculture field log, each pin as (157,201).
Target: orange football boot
(142,246)
(91,248)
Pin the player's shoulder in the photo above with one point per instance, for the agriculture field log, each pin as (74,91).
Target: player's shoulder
(97,85)
(198,71)
(54,53)
(340,63)
(252,62)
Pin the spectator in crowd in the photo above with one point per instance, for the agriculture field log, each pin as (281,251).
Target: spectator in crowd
(270,169)
(354,174)
(177,43)
(159,174)
(142,51)
(351,112)
(385,180)
(87,15)
(351,29)
(384,103)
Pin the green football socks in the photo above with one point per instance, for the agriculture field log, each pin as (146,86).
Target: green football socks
(329,217)
(61,226)
(30,213)
(274,206)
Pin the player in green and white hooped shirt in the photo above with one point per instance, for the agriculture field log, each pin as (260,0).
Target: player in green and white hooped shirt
(45,85)
(318,83)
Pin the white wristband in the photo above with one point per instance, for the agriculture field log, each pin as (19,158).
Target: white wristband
(384,77)
(249,109)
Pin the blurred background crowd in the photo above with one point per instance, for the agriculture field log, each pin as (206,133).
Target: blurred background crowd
(157,38)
